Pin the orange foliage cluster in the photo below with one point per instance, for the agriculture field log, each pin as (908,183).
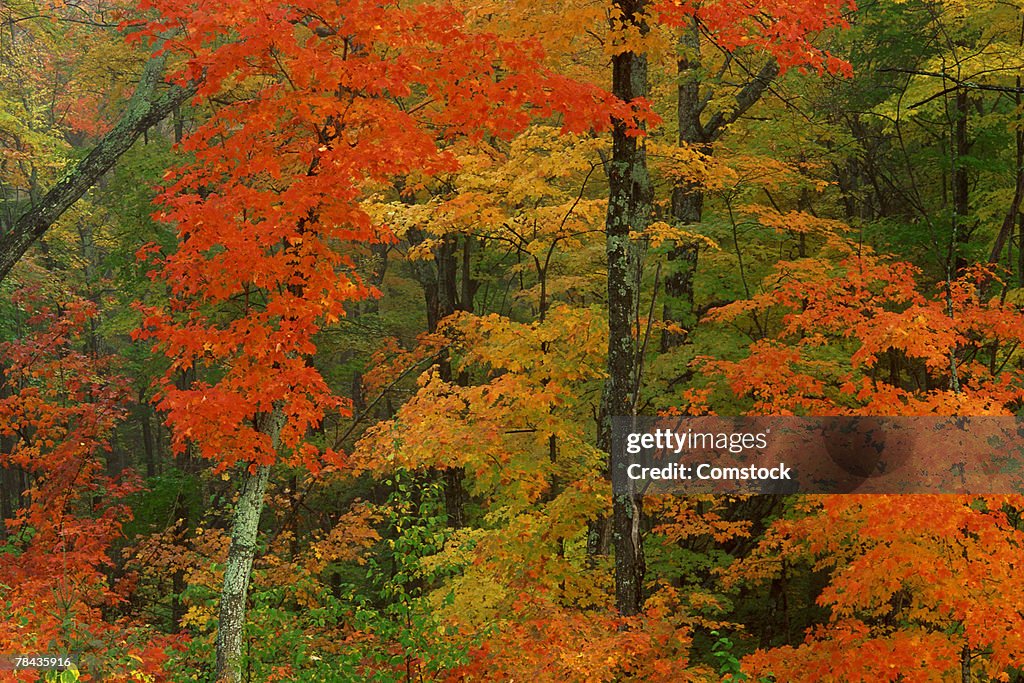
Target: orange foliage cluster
(549,643)
(780,27)
(870,311)
(915,582)
(54,581)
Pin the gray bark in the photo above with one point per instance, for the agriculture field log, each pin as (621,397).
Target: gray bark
(244,531)
(629,208)
(146,108)
(688,197)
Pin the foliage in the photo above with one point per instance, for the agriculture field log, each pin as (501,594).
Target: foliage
(376,273)
(54,565)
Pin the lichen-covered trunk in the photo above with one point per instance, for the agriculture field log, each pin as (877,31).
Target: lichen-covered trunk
(244,531)
(146,108)
(629,208)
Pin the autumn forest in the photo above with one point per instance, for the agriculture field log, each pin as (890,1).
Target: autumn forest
(315,314)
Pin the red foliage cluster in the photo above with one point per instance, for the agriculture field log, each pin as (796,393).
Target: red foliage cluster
(61,406)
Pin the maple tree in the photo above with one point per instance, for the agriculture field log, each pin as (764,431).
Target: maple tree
(526,446)
(903,353)
(58,415)
(260,214)
(902,605)
(921,596)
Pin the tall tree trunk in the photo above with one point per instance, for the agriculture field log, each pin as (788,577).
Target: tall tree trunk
(441,294)
(1012,214)
(143,413)
(244,530)
(445,258)
(961,148)
(9,479)
(687,196)
(1020,250)
(180,511)
(629,208)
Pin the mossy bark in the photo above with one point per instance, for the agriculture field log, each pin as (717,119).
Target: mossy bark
(147,107)
(242,552)
(630,204)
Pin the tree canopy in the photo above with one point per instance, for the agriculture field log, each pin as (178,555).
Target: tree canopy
(315,317)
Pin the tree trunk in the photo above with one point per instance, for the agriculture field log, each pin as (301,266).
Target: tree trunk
(180,511)
(143,414)
(961,181)
(441,293)
(244,530)
(1012,214)
(688,196)
(145,109)
(629,208)
(1020,251)
(9,479)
